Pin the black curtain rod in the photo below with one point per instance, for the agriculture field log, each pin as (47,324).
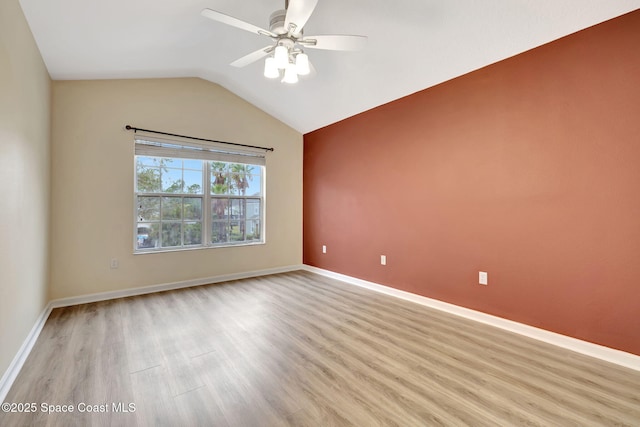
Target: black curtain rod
(134,129)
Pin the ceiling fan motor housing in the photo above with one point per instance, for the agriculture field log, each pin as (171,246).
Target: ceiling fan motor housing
(276,23)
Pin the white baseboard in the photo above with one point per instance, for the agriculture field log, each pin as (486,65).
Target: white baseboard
(18,361)
(103,296)
(618,357)
(12,372)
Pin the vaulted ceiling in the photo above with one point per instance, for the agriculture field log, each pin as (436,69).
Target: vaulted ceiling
(412,45)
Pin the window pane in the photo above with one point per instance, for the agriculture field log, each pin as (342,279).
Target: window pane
(148,208)
(219,178)
(255,185)
(236,231)
(218,167)
(192,164)
(192,208)
(239,175)
(148,178)
(148,235)
(170,234)
(219,232)
(167,162)
(253,209)
(236,210)
(219,183)
(171,208)
(219,209)
(192,233)
(193,182)
(253,230)
(147,161)
(172,180)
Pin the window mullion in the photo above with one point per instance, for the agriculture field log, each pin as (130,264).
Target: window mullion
(206,208)
(182,229)
(160,221)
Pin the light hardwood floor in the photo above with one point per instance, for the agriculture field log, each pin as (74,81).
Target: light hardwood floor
(303,350)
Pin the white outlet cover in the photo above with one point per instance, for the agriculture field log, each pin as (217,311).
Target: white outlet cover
(483,278)
(383,259)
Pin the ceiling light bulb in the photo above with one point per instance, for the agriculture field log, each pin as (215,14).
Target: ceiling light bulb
(302,64)
(290,75)
(270,68)
(281,56)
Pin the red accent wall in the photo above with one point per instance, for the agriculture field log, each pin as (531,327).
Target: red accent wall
(528,169)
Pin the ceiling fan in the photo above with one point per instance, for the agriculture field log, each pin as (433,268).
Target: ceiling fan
(285,56)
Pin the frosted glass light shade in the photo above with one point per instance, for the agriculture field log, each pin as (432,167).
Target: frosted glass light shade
(302,64)
(290,75)
(270,68)
(281,56)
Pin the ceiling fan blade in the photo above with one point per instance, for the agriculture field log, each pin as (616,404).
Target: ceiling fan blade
(334,42)
(235,22)
(252,57)
(298,13)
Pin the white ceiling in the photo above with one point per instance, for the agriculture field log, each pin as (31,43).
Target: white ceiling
(413,44)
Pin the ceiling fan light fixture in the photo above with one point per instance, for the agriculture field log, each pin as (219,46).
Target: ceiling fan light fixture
(290,75)
(285,56)
(281,56)
(302,64)
(270,68)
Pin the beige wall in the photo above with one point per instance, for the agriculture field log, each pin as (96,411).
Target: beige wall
(92,187)
(24,177)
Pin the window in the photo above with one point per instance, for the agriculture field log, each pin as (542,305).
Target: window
(194,197)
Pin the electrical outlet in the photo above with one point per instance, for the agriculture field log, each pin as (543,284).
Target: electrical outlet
(483,278)
(383,259)
(324,249)
(114,263)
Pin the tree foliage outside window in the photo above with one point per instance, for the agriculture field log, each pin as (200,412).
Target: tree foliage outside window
(174,212)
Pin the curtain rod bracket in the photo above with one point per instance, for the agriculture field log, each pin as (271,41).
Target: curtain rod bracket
(135,130)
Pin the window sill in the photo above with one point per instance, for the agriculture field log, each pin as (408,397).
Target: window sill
(197,248)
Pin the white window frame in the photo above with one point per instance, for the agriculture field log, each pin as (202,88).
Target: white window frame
(160,148)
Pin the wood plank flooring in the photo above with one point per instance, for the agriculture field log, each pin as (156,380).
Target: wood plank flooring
(298,349)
